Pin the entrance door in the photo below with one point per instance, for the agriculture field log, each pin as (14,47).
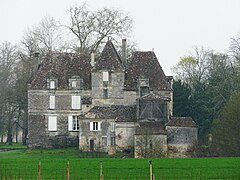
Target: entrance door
(91,145)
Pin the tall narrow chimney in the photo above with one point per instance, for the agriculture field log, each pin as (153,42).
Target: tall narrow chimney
(92,59)
(124,52)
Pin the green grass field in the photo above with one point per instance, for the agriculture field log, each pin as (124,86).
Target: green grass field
(23,164)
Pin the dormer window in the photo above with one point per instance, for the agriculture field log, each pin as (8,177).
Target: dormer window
(52,83)
(76,82)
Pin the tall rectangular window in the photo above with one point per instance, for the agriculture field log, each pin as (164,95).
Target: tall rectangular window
(104,141)
(73,123)
(105,76)
(113,141)
(105,93)
(76,102)
(51,102)
(113,126)
(52,123)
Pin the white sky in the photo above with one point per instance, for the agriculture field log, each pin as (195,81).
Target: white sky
(171,27)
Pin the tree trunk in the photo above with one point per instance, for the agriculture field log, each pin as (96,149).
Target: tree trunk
(25,129)
(16,135)
(9,137)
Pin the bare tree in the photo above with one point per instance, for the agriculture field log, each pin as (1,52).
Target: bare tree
(8,62)
(92,28)
(235,48)
(44,38)
(193,67)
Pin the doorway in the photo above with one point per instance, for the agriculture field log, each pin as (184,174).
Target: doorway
(91,144)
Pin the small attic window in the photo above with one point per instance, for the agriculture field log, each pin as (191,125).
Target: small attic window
(51,83)
(143,82)
(75,82)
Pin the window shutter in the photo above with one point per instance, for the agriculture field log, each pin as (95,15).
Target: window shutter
(52,102)
(52,123)
(76,102)
(105,76)
(91,126)
(52,84)
(70,123)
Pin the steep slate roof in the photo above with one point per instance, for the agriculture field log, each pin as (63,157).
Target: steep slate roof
(62,66)
(151,128)
(181,122)
(109,59)
(118,112)
(146,65)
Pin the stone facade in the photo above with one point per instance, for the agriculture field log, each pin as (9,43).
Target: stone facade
(102,104)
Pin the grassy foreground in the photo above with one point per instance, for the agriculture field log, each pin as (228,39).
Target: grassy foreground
(23,164)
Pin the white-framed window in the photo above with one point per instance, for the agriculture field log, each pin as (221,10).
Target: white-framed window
(95,126)
(52,123)
(113,126)
(52,84)
(74,84)
(73,123)
(76,102)
(105,76)
(113,141)
(51,102)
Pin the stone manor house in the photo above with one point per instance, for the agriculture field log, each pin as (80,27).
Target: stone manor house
(106,104)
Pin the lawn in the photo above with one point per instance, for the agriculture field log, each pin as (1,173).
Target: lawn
(24,164)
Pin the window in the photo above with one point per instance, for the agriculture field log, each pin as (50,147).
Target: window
(76,102)
(74,84)
(52,102)
(113,126)
(105,93)
(113,141)
(105,76)
(52,84)
(104,141)
(52,123)
(73,123)
(95,126)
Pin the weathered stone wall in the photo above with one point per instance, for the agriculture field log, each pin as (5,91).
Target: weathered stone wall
(114,89)
(150,145)
(125,134)
(38,100)
(40,137)
(85,135)
(130,98)
(180,139)
(38,108)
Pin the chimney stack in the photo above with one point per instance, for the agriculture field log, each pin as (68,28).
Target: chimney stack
(124,52)
(92,59)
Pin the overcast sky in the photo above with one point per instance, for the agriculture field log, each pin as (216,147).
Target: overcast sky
(171,27)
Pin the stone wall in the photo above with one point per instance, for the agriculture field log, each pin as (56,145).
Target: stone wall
(147,145)
(38,108)
(125,134)
(180,139)
(114,88)
(85,135)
